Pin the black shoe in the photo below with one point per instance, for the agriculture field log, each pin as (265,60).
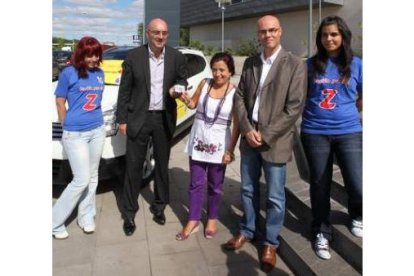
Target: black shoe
(158,217)
(129,227)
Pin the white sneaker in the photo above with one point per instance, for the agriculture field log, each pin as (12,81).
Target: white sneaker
(321,246)
(61,236)
(356,228)
(88,229)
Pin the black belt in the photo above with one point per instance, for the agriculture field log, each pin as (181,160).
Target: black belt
(155,111)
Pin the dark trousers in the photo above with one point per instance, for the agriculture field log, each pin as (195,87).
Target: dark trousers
(155,128)
(320,150)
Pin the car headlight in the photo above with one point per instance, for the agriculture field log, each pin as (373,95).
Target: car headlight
(111,127)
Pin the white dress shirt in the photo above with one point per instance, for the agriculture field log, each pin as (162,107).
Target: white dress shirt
(157,79)
(266,65)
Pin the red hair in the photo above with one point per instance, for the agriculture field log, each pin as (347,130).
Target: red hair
(87,46)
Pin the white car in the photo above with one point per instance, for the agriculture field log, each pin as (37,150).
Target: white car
(112,162)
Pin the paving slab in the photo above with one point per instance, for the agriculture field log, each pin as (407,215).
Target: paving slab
(153,250)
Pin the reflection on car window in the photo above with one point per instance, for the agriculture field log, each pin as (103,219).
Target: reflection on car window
(195,64)
(62,54)
(117,54)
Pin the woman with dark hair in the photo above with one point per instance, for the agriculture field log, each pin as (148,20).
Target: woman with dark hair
(331,126)
(211,143)
(80,85)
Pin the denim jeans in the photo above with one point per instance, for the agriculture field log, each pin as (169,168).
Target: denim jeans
(84,150)
(275,177)
(320,151)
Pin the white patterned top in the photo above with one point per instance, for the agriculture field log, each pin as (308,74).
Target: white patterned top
(208,141)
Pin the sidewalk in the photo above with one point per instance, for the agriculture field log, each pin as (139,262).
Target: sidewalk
(153,250)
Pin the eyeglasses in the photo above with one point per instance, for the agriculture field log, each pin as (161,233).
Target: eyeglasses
(156,32)
(272,31)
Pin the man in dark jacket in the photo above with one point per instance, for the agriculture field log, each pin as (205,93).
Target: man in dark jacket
(146,110)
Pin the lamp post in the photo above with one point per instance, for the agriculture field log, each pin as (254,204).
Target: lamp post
(222,7)
(310,30)
(320,11)
(310,42)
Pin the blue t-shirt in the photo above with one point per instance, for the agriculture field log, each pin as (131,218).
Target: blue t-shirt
(331,105)
(84,96)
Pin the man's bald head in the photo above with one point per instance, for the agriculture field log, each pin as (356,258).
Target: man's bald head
(157,33)
(157,22)
(267,19)
(269,33)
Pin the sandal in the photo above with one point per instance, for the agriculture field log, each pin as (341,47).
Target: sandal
(209,234)
(181,236)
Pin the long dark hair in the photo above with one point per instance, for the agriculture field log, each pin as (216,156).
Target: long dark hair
(87,46)
(346,54)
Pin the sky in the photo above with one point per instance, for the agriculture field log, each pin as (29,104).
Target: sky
(107,20)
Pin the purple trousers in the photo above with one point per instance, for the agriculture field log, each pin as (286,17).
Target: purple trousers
(199,173)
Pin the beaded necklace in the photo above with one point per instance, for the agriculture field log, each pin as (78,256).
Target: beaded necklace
(207,120)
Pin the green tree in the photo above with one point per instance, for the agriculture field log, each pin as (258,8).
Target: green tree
(248,47)
(207,50)
(197,45)
(210,50)
(140,32)
(184,36)
(60,42)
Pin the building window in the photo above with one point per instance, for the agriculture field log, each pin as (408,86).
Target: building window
(238,1)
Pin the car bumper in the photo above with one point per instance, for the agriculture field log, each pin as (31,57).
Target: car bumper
(108,169)
(110,166)
(114,147)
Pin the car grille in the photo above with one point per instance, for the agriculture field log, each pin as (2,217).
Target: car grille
(56,167)
(57,131)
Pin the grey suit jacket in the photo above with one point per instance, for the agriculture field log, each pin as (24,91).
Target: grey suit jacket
(135,88)
(281,103)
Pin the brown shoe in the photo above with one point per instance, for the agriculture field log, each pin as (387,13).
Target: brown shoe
(236,242)
(268,258)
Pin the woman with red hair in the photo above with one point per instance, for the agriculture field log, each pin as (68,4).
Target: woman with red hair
(80,85)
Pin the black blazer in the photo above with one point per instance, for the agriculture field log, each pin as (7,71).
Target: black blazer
(135,88)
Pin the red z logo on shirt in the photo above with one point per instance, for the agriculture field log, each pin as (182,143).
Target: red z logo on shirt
(89,104)
(326,103)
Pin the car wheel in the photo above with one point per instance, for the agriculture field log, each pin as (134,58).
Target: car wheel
(149,164)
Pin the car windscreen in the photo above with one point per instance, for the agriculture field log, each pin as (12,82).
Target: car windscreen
(63,54)
(115,54)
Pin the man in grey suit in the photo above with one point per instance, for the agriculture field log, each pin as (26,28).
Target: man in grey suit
(269,100)
(146,110)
